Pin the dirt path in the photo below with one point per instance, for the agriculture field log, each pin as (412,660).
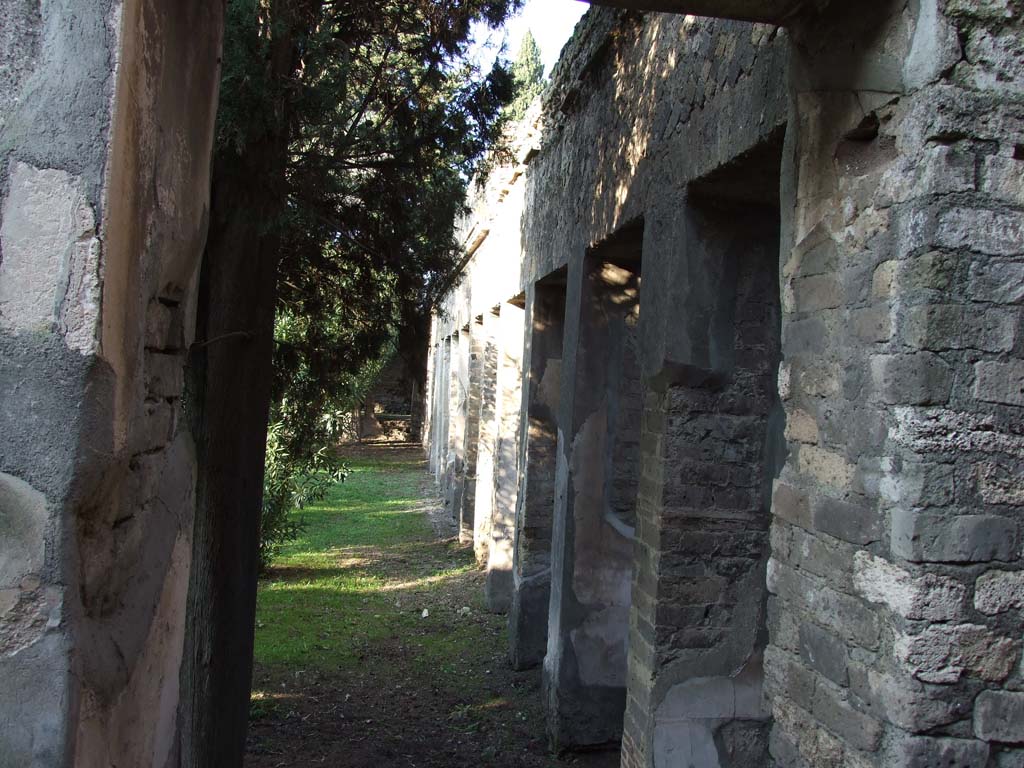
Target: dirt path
(373,647)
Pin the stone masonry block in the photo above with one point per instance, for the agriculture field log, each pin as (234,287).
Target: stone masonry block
(995,233)
(1003,178)
(989,10)
(938,752)
(827,467)
(932,271)
(157,426)
(817,292)
(819,378)
(847,616)
(901,700)
(788,680)
(921,378)
(943,170)
(823,652)
(994,330)
(1010,758)
(943,653)
(806,743)
(784,381)
(999,716)
(165,375)
(1000,281)
(855,523)
(934,326)
(801,427)
(820,555)
(999,483)
(916,484)
(159,319)
(921,537)
(927,597)
(783,626)
(832,710)
(999,591)
(882,279)
(792,505)
(996,382)
(994,60)
(871,324)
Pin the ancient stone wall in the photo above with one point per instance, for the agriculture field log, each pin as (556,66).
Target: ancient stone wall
(627,125)
(893,514)
(827,523)
(392,410)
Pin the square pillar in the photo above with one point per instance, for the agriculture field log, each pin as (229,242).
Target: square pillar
(487,430)
(439,445)
(712,444)
(505,475)
(458,376)
(474,386)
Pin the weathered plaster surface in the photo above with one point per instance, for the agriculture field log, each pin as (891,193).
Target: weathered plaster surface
(106,116)
(23,520)
(49,275)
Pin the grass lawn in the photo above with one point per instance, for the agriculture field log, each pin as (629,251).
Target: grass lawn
(361,573)
(349,670)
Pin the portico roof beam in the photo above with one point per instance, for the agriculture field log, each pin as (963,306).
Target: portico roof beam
(768,11)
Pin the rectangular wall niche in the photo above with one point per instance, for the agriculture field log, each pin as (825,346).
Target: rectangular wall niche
(585,670)
(722,443)
(531,588)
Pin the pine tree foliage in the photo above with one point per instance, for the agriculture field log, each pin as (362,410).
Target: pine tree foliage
(385,123)
(527,76)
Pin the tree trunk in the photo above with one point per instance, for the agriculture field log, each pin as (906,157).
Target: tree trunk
(228,389)
(228,396)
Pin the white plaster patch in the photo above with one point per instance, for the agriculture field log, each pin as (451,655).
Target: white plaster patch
(49,273)
(931,597)
(601,644)
(22,530)
(686,719)
(926,430)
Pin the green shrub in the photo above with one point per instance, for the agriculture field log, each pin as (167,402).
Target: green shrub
(290,483)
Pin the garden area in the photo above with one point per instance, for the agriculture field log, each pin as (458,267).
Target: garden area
(373,647)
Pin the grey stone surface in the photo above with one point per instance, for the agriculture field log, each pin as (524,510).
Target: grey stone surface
(998,382)
(999,716)
(824,652)
(918,379)
(923,752)
(922,537)
(855,523)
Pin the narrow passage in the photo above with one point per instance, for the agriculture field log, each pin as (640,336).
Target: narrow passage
(373,647)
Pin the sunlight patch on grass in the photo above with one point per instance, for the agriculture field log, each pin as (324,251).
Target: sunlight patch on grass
(331,594)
